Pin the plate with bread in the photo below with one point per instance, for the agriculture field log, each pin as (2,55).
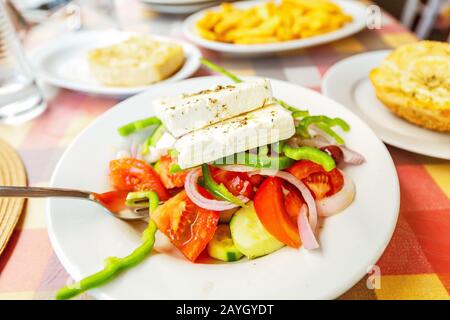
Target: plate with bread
(404,95)
(114,63)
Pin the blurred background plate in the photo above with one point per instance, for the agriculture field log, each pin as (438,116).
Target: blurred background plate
(179,6)
(348,82)
(63,63)
(355,9)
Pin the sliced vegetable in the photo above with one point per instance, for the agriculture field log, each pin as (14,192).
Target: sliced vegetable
(138,199)
(293,200)
(219,69)
(335,152)
(306,194)
(113,200)
(269,205)
(218,190)
(115,265)
(250,236)
(192,189)
(222,247)
(175,168)
(329,122)
(189,227)
(256,161)
(339,201)
(339,140)
(157,135)
(238,183)
(350,156)
(170,178)
(306,232)
(312,154)
(320,182)
(131,174)
(138,125)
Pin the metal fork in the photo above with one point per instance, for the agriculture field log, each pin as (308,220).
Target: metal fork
(141,211)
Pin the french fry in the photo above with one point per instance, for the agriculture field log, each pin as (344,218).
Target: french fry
(271,21)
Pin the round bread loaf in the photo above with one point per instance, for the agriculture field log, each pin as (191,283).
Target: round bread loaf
(414,83)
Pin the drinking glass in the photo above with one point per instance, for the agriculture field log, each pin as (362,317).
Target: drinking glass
(21,98)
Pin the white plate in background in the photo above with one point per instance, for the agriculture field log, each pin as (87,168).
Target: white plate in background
(348,83)
(351,242)
(179,6)
(63,62)
(353,8)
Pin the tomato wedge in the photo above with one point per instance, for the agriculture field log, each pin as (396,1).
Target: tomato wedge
(189,227)
(129,174)
(293,200)
(238,183)
(321,183)
(170,180)
(271,211)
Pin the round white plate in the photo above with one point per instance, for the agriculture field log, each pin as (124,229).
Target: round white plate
(351,242)
(63,62)
(348,83)
(353,8)
(179,6)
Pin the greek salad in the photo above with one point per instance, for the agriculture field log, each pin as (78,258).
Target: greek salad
(232,172)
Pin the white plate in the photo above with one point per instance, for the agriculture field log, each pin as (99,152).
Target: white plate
(63,62)
(353,8)
(179,8)
(83,235)
(348,83)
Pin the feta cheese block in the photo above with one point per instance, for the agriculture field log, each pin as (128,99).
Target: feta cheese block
(190,112)
(247,131)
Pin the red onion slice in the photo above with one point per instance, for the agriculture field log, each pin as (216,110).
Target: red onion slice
(306,233)
(190,185)
(351,156)
(337,202)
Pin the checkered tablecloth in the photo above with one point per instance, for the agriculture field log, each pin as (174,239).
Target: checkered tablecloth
(416,264)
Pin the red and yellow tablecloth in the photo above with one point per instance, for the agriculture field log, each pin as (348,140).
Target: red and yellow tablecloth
(415,265)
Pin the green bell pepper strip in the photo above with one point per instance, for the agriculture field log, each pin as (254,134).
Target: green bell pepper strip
(254,160)
(330,132)
(135,199)
(114,265)
(175,168)
(323,122)
(300,114)
(312,154)
(132,127)
(173,153)
(214,67)
(331,122)
(153,139)
(218,190)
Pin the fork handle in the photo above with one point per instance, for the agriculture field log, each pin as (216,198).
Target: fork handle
(37,192)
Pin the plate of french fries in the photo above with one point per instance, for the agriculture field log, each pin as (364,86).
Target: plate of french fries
(258,27)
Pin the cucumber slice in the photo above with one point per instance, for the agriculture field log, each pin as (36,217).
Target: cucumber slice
(221,246)
(249,235)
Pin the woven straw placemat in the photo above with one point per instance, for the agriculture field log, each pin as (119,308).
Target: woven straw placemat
(12,173)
